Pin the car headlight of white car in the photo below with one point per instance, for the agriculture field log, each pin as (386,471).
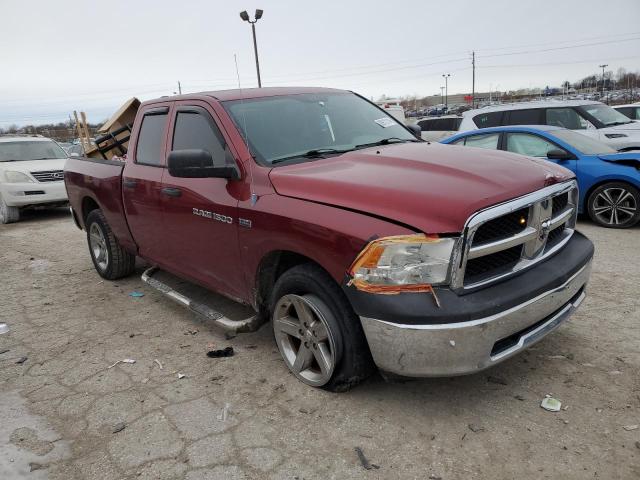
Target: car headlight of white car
(17,177)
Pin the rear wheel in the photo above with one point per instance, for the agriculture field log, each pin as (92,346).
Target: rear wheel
(8,214)
(615,205)
(318,335)
(109,258)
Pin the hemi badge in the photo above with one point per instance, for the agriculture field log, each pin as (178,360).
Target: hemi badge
(244,222)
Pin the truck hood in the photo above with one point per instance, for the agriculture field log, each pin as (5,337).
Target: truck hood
(632,128)
(431,187)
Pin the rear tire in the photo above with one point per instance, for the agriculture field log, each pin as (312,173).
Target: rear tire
(8,214)
(317,332)
(109,258)
(614,205)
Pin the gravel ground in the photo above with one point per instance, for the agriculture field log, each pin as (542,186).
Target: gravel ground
(64,414)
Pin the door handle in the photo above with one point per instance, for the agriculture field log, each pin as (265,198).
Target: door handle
(129,183)
(171,192)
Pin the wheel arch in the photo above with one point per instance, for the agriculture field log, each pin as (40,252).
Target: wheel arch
(88,205)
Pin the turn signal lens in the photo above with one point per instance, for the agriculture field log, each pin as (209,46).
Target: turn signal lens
(403,263)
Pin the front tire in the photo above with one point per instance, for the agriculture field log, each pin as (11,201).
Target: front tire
(8,214)
(109,258)
(317,332)
(614,205)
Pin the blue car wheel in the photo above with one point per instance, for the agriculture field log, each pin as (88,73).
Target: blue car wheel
(615,205)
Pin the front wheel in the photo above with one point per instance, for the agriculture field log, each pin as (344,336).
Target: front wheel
(615,205)
(317,333)
(109,258)
(8,214)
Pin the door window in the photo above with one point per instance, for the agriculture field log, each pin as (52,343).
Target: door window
(485,120)
(531,145)
(565,118)
(524,117)
(151,139)
(195,130)
(489,141)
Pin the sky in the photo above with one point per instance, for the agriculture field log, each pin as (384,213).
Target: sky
(56,57)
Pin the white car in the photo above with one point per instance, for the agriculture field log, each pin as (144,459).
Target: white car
(631,110)
(593,119)
(31,173)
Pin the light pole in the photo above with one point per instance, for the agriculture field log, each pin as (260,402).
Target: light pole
(441,95)
(603,67)
(446,90)
(245,16)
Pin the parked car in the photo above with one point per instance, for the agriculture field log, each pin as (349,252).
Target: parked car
(434,129)
(609,181)
(31,174)
(357,241)
(593,119)
(632,110)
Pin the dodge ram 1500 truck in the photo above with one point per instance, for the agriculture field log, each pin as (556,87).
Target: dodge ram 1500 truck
(361,245)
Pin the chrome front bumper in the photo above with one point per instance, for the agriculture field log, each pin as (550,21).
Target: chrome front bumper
(468,347)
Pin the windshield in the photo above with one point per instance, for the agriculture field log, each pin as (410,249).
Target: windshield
(606,115)
(292,126)
(582,143)
(24,150)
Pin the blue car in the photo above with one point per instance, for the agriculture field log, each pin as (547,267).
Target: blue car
(609,181)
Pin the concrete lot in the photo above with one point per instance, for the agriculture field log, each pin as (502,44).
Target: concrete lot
(60,410)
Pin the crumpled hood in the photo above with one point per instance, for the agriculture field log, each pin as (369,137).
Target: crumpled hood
(433,188)
(628,158)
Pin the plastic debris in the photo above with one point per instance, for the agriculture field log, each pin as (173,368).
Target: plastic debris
(158,362)
(181,375)
(4,328)
(136,294)
(118,427)
(224,414)
(551,404)
(21,360)
(630,428)
(124,360)
(452,343)
(225,352)
(364,461)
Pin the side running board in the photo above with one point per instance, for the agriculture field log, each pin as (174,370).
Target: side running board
(230,326)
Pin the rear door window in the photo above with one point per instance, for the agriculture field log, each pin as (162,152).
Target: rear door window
(489,141)
(195,129)
(527,144)
(489,119)
(565,118)
(151,139)
(524,117)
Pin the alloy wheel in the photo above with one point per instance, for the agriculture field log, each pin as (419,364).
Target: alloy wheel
(615,206)
(98,245)
(304,338)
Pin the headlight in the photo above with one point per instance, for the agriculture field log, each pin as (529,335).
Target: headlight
(17,177)
(615,135)
(402,264)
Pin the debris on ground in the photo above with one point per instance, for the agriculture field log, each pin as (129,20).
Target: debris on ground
(158,362)
(4,328)
(615,372)
(225,352)
(638,445)
(135,294)
(224,414)
(118,427)
(4,351)
(630,428)
(363,460)
(181,376)
(496,380)
(145,380)
(217,379)
(191,332)
(551,404)
(475,428)
(124,360)
(519,397)
(33,466)
(434,477)
(21,360)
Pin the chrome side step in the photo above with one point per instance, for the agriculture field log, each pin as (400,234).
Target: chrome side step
(229,326)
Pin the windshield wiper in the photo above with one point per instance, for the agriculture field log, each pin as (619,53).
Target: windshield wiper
(310,154)
(385,141)
(613,124)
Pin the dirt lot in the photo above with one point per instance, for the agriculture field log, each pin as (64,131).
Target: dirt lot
(247,417)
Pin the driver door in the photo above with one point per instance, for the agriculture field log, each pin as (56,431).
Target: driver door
(535,146)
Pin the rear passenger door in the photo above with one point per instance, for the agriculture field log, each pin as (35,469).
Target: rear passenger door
(200,214)
(142,179)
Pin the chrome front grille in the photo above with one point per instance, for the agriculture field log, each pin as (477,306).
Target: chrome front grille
(512,236)
(49,175)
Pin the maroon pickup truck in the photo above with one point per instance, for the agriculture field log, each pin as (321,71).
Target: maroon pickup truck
(360,244)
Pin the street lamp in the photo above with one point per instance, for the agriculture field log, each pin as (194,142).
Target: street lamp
(603,67)
(245,16)
(446,90)
(441,94)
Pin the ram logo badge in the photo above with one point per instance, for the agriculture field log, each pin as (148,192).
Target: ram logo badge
(211,215)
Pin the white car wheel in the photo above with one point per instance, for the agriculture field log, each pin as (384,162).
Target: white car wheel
(8,214)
